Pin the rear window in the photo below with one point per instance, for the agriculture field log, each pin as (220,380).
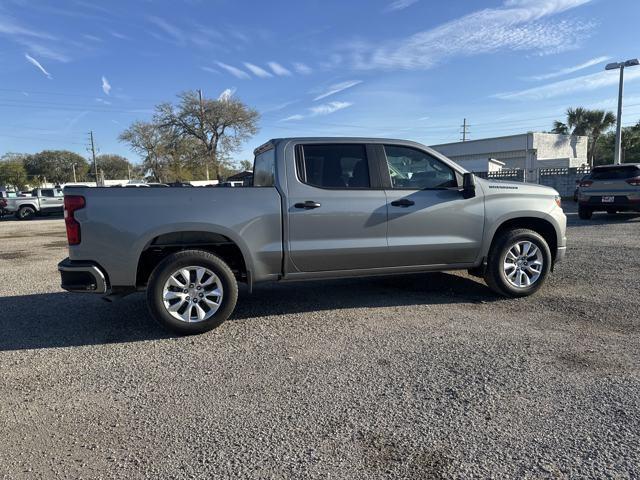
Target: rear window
(264,169)
(615,173)
(334,166)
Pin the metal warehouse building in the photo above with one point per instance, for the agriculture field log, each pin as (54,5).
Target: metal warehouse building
(528,151)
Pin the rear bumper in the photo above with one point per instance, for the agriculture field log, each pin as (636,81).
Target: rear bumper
(619,203)
(82,277)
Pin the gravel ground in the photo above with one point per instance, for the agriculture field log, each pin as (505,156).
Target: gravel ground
(422,376)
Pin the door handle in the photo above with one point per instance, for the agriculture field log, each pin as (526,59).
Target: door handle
(308,205)
(405,202)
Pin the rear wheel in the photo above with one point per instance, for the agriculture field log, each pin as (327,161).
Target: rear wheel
(192,292)
(26,213)
(518,264)
(584,213)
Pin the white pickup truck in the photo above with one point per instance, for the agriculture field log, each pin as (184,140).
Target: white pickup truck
(42,200)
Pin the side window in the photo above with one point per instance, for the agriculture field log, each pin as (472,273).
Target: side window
(264,169)
(333,166)
(415,170)
(47,192)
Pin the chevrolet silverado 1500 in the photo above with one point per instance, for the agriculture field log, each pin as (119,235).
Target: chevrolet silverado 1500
(318,208)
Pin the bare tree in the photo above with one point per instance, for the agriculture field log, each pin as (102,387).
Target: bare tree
(148,141)
(220,126)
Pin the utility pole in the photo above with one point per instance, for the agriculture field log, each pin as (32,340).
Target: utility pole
(464,131)
(613,66)
(206,160)
(93,156)
(129,172)
(73,165)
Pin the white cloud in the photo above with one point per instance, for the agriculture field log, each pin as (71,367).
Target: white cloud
(210,70)
(568,70)
(400,5)
(518,25)
(338,87)
(278,69)
(293,118)
(37,64)
(257,71)
(10,27)
(327,108)
(236,72)
(302,68)
(106,86)
(584,83)
(103,101)
(324,109)
(226,94)
(171,30)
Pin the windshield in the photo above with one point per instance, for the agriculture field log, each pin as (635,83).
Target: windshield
(615,173)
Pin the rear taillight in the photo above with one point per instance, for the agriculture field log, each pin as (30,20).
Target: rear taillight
(71,204)
(586,183)
(3,203)
(635,181)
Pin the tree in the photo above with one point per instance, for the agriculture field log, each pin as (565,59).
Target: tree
(114,166)
(630,151)
(583,122)
(219,126)
(12,171)
(56,166)
(599,122)
(146,139)
(246,166)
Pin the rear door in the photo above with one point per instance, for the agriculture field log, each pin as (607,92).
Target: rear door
(337,213)
(430,223)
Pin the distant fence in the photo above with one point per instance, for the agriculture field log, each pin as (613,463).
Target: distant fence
(562,179)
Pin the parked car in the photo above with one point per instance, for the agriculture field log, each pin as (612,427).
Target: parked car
(318,208)
(610,188)
(41,201)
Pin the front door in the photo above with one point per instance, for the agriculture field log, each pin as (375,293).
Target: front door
(337,219)
(430,223)
(51,200)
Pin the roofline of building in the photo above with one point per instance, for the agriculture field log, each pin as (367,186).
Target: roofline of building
(503,137)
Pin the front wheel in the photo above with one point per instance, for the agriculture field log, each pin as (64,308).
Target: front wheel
(518,264)
(192,292)
(584,213)
(26,212)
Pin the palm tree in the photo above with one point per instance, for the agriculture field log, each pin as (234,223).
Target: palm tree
(583,122)
(599,121)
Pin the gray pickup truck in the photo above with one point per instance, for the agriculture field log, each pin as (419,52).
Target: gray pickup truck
(42,200)
(318,208)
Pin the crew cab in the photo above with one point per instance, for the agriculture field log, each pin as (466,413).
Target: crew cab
(318,208)
(41,201)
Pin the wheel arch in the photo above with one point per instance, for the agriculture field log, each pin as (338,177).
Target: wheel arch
(539,224)
(228,247)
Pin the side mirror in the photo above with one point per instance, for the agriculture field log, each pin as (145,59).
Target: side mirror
(468,185)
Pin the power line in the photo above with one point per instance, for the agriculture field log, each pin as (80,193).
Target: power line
(465,130)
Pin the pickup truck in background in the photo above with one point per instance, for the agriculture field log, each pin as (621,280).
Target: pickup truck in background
(41,201)
(318,208)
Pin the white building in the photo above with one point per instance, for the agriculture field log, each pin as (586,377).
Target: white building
(529,151)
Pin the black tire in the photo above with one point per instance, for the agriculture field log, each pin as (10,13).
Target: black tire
(495,276)
(26,213)
(186,258)
(584,213)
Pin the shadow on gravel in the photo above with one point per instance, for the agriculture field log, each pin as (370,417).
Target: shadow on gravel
(54,320)
(601,218)
(388,291)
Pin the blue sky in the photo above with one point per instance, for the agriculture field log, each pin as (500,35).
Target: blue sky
(394,68)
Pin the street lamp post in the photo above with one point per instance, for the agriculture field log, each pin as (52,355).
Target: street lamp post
(612,66)
(73,165)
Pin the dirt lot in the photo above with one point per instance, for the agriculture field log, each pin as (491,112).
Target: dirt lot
(423,376)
